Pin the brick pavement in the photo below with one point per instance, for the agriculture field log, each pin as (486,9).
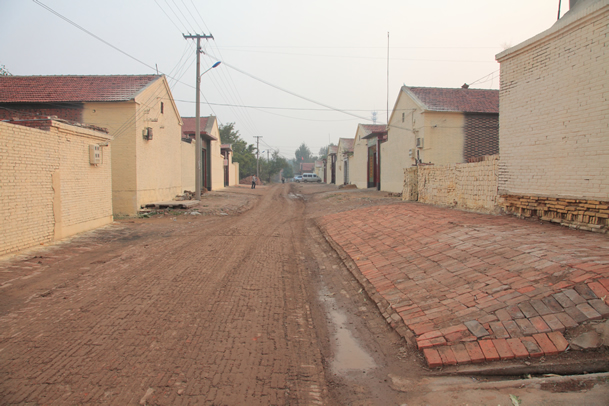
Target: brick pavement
(474,287)
(199,311)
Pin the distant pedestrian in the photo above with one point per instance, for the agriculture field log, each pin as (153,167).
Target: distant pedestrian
(253,182)
(282,179)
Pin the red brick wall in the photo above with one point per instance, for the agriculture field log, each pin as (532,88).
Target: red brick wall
(70,112)
(481,135)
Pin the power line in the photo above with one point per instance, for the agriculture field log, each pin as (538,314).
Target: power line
(295,94)
(91,34)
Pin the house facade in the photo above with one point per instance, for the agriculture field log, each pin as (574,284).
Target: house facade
(231,170)
(212,164)
(139,113)
(343,157)
(330,167)
(361,173)
(437,126)
(554,120)
(319,169)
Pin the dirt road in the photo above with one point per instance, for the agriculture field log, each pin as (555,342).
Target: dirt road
(226,307)
(194,311)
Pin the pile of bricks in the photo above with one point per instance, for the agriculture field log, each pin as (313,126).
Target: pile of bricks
(589,215)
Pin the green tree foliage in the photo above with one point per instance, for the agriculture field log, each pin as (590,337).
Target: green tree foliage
(288,171)
(273,166)
(242,152)
(303,154)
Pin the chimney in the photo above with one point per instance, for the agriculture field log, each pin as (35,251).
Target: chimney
(465,86)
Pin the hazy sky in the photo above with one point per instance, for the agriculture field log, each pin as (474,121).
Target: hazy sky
(333,52)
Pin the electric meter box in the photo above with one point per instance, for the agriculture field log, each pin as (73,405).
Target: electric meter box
(95,154)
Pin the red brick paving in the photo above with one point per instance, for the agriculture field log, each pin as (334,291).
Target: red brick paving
(523,282)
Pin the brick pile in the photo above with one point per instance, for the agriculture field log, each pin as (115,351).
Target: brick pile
(589,215)
(470,287)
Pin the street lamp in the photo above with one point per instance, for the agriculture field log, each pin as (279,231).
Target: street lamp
(198,144)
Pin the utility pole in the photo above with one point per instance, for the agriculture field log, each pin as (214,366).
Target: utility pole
(257,155)
(198,144)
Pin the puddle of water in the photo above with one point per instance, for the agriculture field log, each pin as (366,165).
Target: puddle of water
(349,355)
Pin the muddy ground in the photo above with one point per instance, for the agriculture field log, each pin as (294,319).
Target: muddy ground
(239,300)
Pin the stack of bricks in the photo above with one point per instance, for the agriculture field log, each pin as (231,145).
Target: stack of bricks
(589,215)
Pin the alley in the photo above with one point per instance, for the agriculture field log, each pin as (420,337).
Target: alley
(196,310)
(241,302)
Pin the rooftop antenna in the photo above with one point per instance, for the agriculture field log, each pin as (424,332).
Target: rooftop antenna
(387,78)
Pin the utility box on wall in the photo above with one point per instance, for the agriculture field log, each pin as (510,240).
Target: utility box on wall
(147,133)
(95,156)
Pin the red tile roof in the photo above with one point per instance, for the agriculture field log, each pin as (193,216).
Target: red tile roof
(189,125)
(47,89)
(332,149)
(373,128)
(306,166)
(347,144)
(463,100)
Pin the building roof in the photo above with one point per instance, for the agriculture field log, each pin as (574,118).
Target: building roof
(347,144)
(53,89)
(227,146)
(319,164)
(373,128)
(332,149)
(206,124)
(306,166)
(458,100)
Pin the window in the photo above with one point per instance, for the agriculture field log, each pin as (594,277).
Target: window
(162,110)
(403,116)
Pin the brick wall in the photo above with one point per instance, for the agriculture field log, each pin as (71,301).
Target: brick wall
(471,186)
(411,184)
(65,111)
(481,135)
(554,121)
(49,189)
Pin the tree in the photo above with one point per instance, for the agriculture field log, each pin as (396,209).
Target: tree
(288,171)
(303,154)
(242,152)
(4,71)
(323,151)
(273,166)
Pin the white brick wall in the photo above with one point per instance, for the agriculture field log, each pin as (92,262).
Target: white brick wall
(471,186)
(554,110)
(48,189)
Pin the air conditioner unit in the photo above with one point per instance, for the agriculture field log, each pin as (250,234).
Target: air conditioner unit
(147,133)
(95,157)
(419,142)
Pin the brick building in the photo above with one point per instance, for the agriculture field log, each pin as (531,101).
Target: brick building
(139,113)
(440,126)
(554,120)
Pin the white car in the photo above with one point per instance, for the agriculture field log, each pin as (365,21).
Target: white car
(310,177)
(298,178)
